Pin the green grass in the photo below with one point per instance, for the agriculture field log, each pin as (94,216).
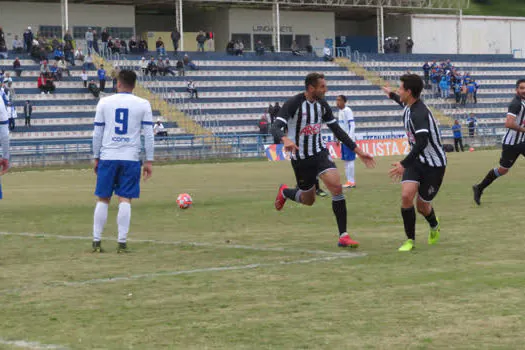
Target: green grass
(466,292)
(513,8)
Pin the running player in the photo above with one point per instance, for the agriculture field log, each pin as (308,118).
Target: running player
(304,115)
(119,120)
(423,169)
(513,141)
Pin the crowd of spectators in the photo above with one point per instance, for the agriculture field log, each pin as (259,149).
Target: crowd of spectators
(445,80)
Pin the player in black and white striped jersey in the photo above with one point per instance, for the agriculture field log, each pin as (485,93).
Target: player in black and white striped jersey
(513,141)
(423,169)
(303,115)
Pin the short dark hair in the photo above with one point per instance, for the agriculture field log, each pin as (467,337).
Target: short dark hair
(519,82)
(414,83)
(312,78)
(343,97)
(127,77)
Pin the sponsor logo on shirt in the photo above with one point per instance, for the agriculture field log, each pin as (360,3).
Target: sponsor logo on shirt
(120,139)
(313,129)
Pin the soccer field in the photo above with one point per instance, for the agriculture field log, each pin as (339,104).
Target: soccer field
(232,273)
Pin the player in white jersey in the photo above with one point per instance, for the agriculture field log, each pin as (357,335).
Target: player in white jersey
(4,141)
(119,121)
(346,121)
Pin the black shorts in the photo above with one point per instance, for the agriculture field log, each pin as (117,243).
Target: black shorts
(307,170)
(429,179)
(509,154)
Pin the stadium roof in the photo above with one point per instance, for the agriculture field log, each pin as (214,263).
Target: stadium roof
(387,4)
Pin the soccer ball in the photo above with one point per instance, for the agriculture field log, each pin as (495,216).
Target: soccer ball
(184,201)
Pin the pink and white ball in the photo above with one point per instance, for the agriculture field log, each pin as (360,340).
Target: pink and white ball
(184,201)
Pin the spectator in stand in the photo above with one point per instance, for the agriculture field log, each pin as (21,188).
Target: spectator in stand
(95,41)
(144,65)
(201,39)
(84,77)
(68,53)
(426,72)
(295,49)
(409,45)
(133,46)
(28,111)
(55,44)
(88,63)
(159,44)
(93,88)
(68,38)
(238,48)
(59,54)
(28,39)
(3,45)
(11,114)
(104,38)
(161,68)
(117,46)
(464,94)
(192,90)
(44,69)
(55,73)
(89,40)
(101,73)
(159,130)
(472,123)
(263,127)
(259,48)
(180,68)
(17,67)
(79,55)
(152,67)
(62,67)
(445,87)
(8,81)
(111,46)
(458,137)
(187,62)
(471,89)
(5,93)
(18,45)
(114,76)
(457,92)
(175,38)
(123,47)
(230,48)
(143,46)
(476,88)
(167,68)
(45,85)
(327,54)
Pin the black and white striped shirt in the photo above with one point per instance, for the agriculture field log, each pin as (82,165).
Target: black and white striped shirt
(417,118)
(304,120)
(517,110)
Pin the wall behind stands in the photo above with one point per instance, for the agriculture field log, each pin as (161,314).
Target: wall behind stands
(479,35)
(15,17)
(319,25)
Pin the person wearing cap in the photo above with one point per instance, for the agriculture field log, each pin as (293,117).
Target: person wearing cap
(28,39)
(409,45)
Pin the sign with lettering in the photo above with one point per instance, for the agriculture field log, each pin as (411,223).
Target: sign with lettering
(269,29)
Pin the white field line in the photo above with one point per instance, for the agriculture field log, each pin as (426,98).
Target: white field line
(31,345)
(205,270)
(184,243)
